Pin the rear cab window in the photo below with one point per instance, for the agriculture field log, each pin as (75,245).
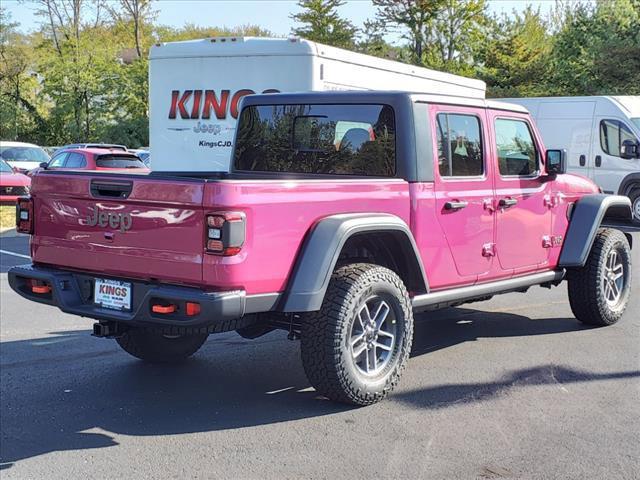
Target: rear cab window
(355,139)
(518,155)
(119,161)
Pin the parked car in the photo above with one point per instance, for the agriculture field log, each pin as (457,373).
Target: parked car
(95,159)
(23,156)
(602,135)
(343,214)
(108,146)
(12,183)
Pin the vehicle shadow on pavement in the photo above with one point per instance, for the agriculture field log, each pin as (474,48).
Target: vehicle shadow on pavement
(452,326)
(71,394)
(443,396)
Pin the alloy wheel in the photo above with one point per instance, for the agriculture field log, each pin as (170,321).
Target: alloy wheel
(373,336)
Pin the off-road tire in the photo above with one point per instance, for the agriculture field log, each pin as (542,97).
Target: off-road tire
(326,334)
(156,347)
(586,292)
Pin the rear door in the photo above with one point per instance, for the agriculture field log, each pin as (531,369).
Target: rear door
(464,188)
(523,198)
(122,225)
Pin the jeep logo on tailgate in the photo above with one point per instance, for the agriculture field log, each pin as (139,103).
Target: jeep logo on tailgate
(113,220)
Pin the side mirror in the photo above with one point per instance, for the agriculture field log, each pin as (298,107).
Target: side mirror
(629,149)
(44,165)
(556,162)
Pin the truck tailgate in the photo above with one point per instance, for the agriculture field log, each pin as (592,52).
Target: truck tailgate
(124,225)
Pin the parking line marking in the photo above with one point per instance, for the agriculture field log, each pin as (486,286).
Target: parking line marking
(6,252)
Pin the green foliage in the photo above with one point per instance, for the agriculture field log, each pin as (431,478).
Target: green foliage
(515,57)
(597,50)
(414,18)
(455,36)
(322,23)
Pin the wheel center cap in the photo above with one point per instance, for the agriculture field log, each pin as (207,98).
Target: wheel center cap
(370,333)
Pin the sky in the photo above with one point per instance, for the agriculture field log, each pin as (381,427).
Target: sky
(273,15)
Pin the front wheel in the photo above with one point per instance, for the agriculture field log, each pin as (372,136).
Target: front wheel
(156,347)
(599,291)
(355,348)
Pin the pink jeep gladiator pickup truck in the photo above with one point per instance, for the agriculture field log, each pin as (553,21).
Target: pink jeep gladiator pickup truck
(343,214)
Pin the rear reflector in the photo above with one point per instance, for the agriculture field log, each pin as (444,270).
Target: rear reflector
(193,309)
(163,309)
(41,289)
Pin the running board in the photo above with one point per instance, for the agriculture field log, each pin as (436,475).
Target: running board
(445,298)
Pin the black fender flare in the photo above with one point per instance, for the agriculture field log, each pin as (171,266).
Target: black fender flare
(321,249)
(586,217)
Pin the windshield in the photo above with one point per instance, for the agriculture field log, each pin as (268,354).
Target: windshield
(23,154)
(119,161)
(4,167)
(636,121)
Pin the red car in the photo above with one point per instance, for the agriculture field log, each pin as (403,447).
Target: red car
(96,159)
(12,184)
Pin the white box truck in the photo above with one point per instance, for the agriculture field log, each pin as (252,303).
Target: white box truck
(599,134)
(195,87)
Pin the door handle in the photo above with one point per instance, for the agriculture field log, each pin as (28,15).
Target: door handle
(598,161)
(455,205)
(583,160)
(507,202)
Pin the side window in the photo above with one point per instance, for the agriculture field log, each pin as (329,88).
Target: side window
(459,145)
(58,160)
(517,155)
(75,160)
(612,134)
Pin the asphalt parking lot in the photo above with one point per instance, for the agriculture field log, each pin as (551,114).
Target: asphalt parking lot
(509,388)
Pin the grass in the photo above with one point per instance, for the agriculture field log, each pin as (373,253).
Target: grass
(7,216)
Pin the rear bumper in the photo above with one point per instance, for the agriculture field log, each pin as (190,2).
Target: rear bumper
(72,293)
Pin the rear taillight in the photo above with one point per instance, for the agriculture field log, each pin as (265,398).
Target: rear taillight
(24,215)
(225,233)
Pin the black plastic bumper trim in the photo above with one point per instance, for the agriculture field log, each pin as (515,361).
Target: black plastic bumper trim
(72,292)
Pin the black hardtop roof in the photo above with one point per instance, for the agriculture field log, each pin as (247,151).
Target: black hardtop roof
(342,96)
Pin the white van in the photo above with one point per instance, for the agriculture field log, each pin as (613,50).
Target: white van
(599,134)
(195,87)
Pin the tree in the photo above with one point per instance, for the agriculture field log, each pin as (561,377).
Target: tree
(514,60)
(414,18)
(597,49)
(372,41)
(456,35)
(322,23)
(138,12)
(21,106)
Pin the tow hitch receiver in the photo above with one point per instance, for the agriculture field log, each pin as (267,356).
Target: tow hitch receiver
(107,330)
